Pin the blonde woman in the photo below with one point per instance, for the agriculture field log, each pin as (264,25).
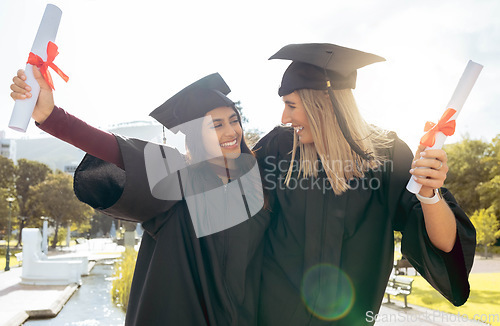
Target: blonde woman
(337,189)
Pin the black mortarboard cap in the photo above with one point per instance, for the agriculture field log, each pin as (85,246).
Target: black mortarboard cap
(324,66)
(193,102)
(316,63)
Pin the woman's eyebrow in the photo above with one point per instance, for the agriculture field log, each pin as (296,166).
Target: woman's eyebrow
(221,119)
(289,102)
(212,121)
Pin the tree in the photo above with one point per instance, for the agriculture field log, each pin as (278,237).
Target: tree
(7,189)
(252,137)
(100,224)
(489,194)
(467,170)
(489,191)
(492,159)
(237,105)
(5,210)
(28,174)
(7,173)
(54,198)
(487,228)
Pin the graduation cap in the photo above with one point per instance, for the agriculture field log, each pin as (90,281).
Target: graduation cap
(193,102)
(324,66)
(314,64)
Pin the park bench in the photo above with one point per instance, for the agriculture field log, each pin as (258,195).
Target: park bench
(399,285)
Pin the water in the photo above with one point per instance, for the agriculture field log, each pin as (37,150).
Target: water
(91,304)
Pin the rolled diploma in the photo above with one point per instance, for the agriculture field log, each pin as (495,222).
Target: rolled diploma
(457,101)
(47,31)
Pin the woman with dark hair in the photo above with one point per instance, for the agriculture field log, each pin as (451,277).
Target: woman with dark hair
(200,258)
(337,193)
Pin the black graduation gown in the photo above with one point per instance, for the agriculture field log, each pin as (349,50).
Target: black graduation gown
(179,279)
(328,257)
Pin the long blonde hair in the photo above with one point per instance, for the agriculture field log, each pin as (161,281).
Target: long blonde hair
(339,162)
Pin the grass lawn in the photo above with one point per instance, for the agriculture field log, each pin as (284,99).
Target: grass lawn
(13,262)
(483,303)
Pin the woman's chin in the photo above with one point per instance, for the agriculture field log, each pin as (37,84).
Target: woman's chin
(232,155)
(305,139)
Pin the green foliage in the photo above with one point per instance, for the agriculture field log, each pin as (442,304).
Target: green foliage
(487,227)
(29,174)
(12,261)
(7,189)
(5,211)
(495,250)
(489,190)
(100,224)
(237,105)
(124,271)
(466,170)
(474,180)
(489,194)
(15,182)
(492,160)
(397,245)
(397,236)
(55,199)
(61,236)
(7,172)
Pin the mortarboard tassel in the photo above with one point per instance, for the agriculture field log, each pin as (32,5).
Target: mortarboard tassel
(341,119)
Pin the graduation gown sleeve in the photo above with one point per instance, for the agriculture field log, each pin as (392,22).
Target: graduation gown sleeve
(446,272)
(132,194)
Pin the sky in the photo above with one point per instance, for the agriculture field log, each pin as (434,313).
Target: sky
(125,58)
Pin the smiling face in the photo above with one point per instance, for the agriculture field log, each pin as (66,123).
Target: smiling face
(294,113)
(221,132)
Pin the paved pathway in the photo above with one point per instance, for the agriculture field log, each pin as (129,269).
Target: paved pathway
(394,313)
(490,265)
(18,302)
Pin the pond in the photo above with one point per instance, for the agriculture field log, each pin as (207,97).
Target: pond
(91,304)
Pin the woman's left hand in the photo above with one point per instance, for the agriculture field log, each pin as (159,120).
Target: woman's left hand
(433,174)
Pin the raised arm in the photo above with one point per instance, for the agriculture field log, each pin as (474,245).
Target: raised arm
(65,126)
(429,168)
(446,270)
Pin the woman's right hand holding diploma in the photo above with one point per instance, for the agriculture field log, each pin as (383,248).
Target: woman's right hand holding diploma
(429,169)
(21,91)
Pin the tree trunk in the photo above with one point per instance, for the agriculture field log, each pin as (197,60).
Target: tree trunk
(486,251)
(20,235)
(54,241)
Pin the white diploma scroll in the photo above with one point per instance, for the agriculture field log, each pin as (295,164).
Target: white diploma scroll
(47,31)
(456,103)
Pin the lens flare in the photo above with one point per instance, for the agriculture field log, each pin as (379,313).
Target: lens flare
(327,292)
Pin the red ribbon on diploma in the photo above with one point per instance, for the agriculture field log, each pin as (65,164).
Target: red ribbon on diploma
(52,53)
(443,125)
